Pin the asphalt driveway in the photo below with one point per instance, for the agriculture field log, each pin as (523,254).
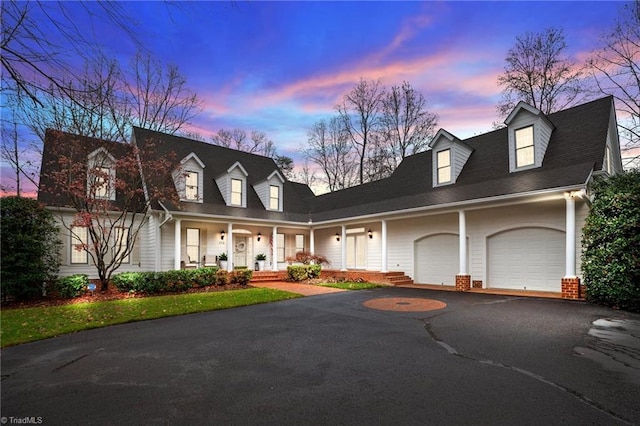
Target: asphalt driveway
(481,359)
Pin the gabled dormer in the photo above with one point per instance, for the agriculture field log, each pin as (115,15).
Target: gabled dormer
(101,175)
(450,155)
(188,179)
(270,191)
(612,162)
(529,134)
(233,185)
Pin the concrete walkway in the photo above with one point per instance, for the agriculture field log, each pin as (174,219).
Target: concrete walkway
(303,289)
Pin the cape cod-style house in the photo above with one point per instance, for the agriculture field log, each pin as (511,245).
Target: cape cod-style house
(502,209)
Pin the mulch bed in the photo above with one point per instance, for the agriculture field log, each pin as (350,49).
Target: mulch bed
(112,293)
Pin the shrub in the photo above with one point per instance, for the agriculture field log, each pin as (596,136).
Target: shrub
(611,240)
(71,286)
(165,282)
(30,248)
(222,277)
(303,272)
(240,276)
(307,258)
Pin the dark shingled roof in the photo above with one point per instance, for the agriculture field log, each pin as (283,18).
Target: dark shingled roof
(575,149)
(217,160)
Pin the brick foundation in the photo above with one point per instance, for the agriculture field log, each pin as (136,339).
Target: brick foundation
(571,288)
(463,282)
(476,283)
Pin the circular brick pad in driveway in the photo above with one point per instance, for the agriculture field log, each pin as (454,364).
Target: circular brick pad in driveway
(404,304)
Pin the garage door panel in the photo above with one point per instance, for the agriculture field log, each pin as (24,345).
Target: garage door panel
(437,259)
(531,258)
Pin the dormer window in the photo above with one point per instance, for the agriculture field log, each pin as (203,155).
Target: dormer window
(525,152)
(188,178)
(101,175)
(191,185)
(274,197)
(236,192)
(444,166)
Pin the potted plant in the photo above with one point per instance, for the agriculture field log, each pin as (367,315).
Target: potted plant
(223,261)
(261,259)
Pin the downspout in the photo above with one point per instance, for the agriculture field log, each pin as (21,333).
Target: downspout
(168,216)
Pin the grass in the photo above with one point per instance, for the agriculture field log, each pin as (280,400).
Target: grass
(348,285)
(31,324)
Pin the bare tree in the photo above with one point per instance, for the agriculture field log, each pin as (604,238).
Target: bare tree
(360,112)
(615,68)
(39,37)
(408,126)
(538,72)
(14,155)
(328,147)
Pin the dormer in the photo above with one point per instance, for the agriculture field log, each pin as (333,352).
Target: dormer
(101,175)
(449,156)
(233,185)
(188,179)
(529,134)
(612,162)
(270,191)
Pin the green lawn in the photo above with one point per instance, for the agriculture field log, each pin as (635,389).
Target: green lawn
(30,324)
(348,285)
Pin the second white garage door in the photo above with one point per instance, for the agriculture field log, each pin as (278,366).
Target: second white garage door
(437,259)
(526,258)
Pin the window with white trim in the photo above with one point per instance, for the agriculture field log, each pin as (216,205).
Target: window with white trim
(120,243)
(280,247)
(193,245)
(299,243)
(444,166)
(525,152)
(236,192)
(191,180)
(274,197)
(79,238)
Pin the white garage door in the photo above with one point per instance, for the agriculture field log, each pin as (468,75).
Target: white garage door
(437,259)
(527,258)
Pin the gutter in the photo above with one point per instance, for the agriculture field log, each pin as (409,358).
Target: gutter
(168,215)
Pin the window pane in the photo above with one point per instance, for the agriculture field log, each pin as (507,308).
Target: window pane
(191,185)
(78,239)
(299,243)
(280,247)
(524,157)
(120,243)
(274,198)
(236,192)
(101,182)
(524,137)
(444,158)
(444,175)
(193,245)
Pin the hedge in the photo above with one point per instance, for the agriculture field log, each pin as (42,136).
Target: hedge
(303,272)
(169,281)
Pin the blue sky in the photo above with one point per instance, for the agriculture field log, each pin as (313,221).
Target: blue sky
(279,67)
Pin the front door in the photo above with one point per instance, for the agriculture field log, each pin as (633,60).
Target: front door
(356,254)
(239,251)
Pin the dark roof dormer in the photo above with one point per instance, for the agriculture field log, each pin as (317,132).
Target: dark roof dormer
(233,185)
(450,155)
(529,134)
(270,191)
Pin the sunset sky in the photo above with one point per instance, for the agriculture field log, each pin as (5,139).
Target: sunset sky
(280,67)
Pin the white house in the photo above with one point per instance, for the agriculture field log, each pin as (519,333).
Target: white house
(503,209)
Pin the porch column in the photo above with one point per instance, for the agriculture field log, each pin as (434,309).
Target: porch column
(463,279)
(230,247)
(570,284)
(384,247)
(274,249)
(312,241)
(343,248)
(176,245)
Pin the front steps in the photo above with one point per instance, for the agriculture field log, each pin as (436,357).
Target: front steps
(388,278)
